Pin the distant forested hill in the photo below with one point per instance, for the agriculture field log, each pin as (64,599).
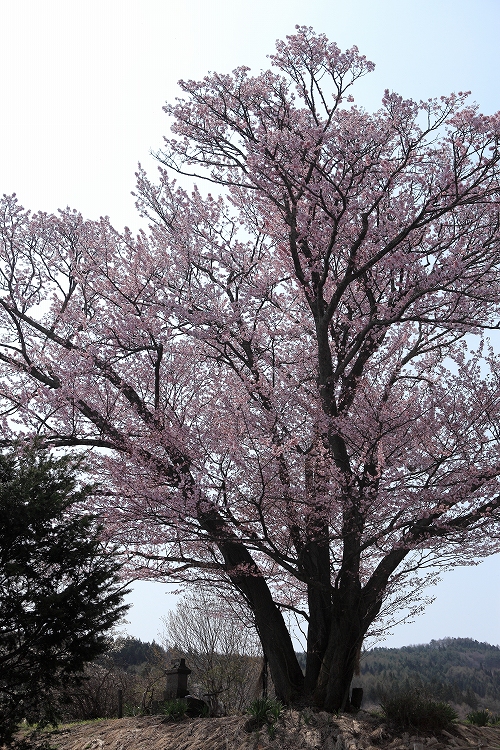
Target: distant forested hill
(130,652)
(457,670)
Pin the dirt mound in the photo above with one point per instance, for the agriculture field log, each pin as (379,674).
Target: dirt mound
(295,731)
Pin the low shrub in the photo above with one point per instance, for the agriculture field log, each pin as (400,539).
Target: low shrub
(264,711)
(175,709)
(482,717)
(412,710)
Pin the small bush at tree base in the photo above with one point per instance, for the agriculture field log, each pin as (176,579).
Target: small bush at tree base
(274,711)
(481,717)
(271,730)
(265,711)
(175,709)
(411,709)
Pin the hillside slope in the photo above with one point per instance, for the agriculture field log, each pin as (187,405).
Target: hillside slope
(458,670)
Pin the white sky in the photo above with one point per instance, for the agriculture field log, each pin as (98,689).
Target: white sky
(83,84)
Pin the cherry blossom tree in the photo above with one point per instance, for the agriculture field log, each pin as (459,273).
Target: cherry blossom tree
(286,387)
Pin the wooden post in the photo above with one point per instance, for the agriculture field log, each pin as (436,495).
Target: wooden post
(356,698)
(120,703)
(264,676)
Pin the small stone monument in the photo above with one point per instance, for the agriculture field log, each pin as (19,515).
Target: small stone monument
(177,676)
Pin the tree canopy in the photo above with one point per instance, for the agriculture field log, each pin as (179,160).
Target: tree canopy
(290,377)
(60,592)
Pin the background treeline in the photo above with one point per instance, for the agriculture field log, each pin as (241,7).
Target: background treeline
(460,671)
(220,647)
(226,681)
(130,665)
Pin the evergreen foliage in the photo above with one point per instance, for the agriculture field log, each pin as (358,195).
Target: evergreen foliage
(59,588)
(130,652)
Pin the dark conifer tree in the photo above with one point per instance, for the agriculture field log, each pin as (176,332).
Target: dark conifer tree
(60,593)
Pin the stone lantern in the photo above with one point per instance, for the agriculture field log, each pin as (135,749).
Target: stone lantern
(177,677)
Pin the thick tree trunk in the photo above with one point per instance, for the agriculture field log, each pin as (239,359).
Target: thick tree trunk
(335,636)
(341,655)
(318,633)
(276,641)
(344,657)
(285,670)
(317,568)
(339,619)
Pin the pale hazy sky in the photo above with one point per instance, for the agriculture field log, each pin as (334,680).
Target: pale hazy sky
(82,89)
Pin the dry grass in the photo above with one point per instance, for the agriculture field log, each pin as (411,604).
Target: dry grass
(297,731)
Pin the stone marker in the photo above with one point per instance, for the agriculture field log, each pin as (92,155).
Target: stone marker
(177,676)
